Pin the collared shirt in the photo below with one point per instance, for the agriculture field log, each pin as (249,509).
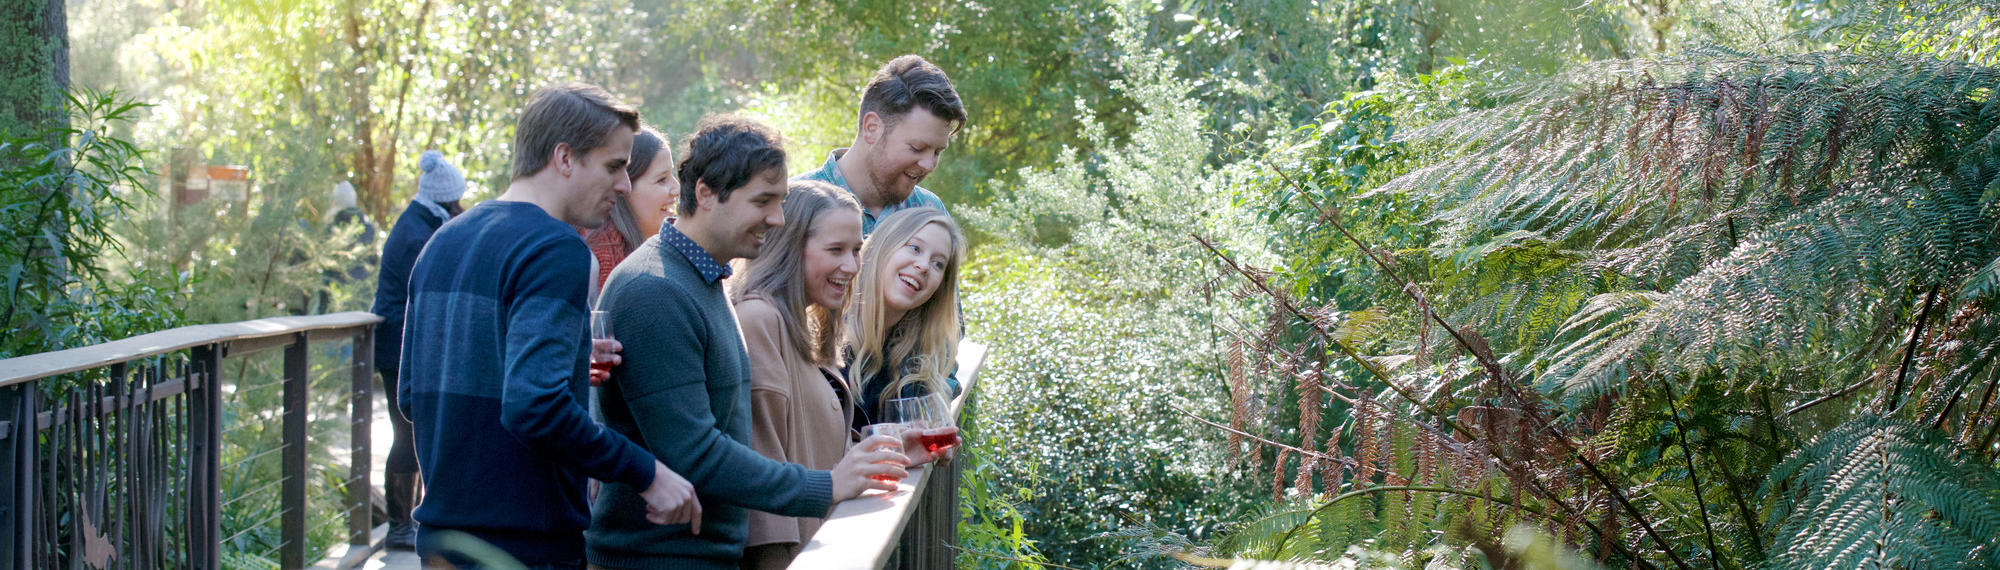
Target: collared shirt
(830,173)
(703,262)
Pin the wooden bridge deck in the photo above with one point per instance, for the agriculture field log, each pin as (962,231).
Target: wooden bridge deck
(380,559)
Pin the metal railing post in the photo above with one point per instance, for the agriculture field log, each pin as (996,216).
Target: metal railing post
(204,511)
(293,495)
(17,474)
(360,456)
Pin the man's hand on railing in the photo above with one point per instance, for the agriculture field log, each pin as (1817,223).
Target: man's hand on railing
(671,499)
(858,471)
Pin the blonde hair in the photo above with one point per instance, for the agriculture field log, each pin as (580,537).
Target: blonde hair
(778,273)
(923,346)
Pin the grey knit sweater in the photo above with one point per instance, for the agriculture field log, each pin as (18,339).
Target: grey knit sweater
(684,392)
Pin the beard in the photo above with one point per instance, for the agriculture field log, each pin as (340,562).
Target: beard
(890,183)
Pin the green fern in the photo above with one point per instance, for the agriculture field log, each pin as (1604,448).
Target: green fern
(1775,203)
(1889,493)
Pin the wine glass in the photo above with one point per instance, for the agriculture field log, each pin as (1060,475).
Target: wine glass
(894,430)
(940,410)
(913,412)
(942,432)
(600,329)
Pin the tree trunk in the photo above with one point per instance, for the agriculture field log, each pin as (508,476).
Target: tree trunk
(34,73)
(34,65)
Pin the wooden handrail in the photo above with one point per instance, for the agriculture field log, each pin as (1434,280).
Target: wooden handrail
(36,366)
(151,430)
(862,533)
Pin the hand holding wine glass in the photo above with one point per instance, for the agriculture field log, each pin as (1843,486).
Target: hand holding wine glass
(874,463)
(603,348)
(940,440)
(926,427)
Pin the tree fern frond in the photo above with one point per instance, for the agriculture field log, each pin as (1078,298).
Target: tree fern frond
(1779,201)
(1285,531)
(1609,332)
(1886,492)
(1983,283)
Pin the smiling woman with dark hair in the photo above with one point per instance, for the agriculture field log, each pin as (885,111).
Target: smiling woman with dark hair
(656,191)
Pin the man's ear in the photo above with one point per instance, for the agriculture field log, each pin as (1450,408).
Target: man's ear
(704,197)
(563,159)
(872,128)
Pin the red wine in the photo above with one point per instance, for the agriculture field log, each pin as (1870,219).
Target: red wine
(933,443)
(601,369)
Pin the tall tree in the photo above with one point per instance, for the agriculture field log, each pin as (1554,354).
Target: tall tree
(34,63)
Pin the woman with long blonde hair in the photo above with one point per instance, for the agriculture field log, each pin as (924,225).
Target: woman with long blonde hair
(903,321)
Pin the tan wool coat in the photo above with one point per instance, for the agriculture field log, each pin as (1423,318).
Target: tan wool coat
(795,414)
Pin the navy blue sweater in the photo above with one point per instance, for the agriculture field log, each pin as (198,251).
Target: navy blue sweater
(495,363)
(392,286)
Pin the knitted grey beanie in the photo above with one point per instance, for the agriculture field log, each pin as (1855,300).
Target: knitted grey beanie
(441,182)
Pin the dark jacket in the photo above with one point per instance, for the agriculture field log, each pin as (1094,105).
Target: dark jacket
(392,286)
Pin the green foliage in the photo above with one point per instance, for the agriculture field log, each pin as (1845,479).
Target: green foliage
(1741,189)
(1701,261)
(253,433)
(1602,271)
(992,523)
(1882,492)
(1096,251)
(310,93)
(62,194)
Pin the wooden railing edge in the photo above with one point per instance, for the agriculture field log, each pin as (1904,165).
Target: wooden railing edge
(853,536)
(32,367)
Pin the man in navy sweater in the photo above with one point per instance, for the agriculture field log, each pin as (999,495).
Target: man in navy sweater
(494,359)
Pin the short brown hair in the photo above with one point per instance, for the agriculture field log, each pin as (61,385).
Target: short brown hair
(725,152)
(577,114)
(909,82)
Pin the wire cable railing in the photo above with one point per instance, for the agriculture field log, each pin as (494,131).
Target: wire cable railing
(114,455)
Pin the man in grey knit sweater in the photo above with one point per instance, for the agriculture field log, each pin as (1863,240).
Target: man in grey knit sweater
(684,386)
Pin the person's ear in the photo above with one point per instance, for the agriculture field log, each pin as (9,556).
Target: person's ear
(563,159)
(871,128)
(704,197)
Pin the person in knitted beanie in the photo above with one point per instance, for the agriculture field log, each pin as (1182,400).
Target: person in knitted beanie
(439,188)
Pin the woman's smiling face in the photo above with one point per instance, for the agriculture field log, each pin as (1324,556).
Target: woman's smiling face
(916,269)
(655,194)
(833,252)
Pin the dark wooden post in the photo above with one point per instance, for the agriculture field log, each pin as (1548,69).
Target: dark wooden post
(17,474)
(359,481)
(204,511)
(293,498)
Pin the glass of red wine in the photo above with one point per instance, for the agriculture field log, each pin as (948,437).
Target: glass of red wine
(894,430)
(942,433)
(600,329)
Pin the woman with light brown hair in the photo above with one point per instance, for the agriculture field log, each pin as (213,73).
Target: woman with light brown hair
(789,311)
(903,323)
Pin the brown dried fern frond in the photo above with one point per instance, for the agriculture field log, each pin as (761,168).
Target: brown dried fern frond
(1239,397)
